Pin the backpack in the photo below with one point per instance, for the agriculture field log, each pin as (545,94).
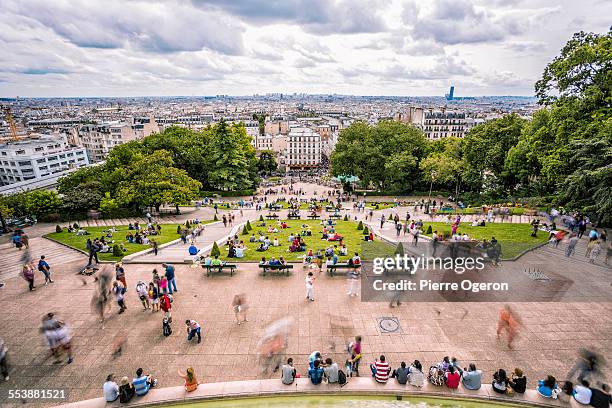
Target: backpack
(125,394)
(341,378)
(166,328)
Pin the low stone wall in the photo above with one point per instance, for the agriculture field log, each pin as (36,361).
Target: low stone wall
(303,387)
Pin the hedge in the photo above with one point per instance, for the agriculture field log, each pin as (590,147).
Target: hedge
(237,193)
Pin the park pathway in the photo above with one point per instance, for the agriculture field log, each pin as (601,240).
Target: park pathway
(56,255)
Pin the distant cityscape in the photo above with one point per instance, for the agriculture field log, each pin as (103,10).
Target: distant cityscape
(42,139)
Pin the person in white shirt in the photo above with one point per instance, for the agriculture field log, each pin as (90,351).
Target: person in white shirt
(582,393)
(310,286)
(111,389)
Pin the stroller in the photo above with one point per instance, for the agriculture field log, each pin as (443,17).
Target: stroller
(166,328)
(436,376)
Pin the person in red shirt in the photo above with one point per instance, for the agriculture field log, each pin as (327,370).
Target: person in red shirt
(380,370)
(452,378)
(166,306)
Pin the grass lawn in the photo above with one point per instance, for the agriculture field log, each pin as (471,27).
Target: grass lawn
(353,240)
(514,238)
(168,233)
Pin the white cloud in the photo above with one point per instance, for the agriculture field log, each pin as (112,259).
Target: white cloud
(170,47)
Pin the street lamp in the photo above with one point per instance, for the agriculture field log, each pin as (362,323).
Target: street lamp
(433,177)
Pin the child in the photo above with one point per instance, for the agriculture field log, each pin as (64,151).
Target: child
(310,287)
(153,297)
(163,284)
(141,290)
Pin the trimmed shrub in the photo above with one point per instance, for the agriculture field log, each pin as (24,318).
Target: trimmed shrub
(429,231)
(345,217)
(390,217)
(248,226)
(187,225)
(58,228)
(399,250)
(261,217)
(215,251)
(216,218)
(365,230)
(117,250)
(178,229)
(360,226)
(245,230)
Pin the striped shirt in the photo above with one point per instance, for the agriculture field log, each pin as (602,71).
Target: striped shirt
(140,385)
(382,371)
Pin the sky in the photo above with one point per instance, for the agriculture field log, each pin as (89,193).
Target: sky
(54,48)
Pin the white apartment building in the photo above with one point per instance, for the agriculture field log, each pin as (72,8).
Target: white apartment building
(303,148)
(100,138)
(436,124)
(33,159)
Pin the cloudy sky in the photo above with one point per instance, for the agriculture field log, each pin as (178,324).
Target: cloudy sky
(208,47)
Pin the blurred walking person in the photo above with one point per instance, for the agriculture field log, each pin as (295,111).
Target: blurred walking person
(4,366)
(240,308)
(27,273)
(508,321)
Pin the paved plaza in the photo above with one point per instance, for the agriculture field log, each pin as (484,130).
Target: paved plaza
(548,342)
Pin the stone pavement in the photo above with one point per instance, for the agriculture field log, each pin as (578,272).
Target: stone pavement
(547,344)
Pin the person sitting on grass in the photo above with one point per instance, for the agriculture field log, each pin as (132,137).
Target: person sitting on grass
(252,238)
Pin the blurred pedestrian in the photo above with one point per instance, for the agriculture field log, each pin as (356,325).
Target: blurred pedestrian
(27,273)
(4,366)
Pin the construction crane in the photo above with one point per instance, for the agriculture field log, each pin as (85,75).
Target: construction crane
(11,122)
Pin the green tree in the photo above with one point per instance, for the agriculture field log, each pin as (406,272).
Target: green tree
(584,66)
(215,251)
(152,181)
(108,205)
(267,162)
(42,202)
(485,148)
(83,197)
(232,158)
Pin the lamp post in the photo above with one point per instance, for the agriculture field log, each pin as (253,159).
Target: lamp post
(433,177)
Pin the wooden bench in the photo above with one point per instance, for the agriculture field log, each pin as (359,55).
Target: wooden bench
(276,268)
(219,268)
(293,216)
(272,216)
(314,216)
(331,269)
(337,216)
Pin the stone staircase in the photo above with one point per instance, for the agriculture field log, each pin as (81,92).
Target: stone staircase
(56,255)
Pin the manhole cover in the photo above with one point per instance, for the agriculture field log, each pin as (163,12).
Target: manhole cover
(389,324)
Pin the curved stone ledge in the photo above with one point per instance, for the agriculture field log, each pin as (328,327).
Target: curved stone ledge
(362,386)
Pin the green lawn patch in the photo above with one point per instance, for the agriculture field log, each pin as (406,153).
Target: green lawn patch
(168,233)
(379,206)
(353,239)
(514,238)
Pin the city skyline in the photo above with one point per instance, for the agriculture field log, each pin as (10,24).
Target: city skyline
(209,47)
